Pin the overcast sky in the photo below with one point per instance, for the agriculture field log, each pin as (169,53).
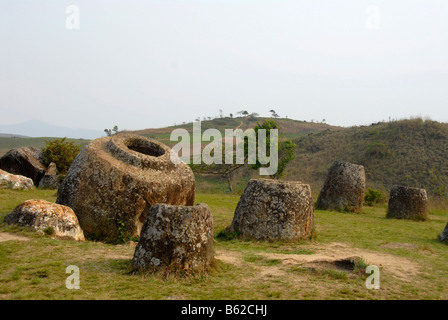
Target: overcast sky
(143,64)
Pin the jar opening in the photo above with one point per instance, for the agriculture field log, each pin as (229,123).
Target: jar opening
(145,147)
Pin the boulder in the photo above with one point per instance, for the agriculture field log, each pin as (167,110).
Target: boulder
(407,203)
(444,236)
(344,188)
(15,182)
(25,161)
(274,210)
(51,179)
(176,238)
(44,216)
(115,180)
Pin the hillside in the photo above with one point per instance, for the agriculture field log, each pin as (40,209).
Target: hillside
(7,144)
(408,152)
(290,128)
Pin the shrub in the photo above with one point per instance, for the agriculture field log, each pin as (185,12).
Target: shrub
(373,197)
(377,149)
(62,153)
(49,231)
(226,235)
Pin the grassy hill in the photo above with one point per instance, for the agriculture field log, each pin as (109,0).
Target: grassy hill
(7,144)
(407,152)
(290,128)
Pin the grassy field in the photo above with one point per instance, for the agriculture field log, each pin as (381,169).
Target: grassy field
(412,262)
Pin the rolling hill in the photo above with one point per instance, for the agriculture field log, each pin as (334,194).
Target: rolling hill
(407,152)
(290,128)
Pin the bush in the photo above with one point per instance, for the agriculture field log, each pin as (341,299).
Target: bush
(49,231)
(373,197)
(62,153)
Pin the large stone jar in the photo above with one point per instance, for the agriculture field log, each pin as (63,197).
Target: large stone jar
(444,236)
(115,180)
(344,188)
(42,215)
(176,238)
(407,203)
(274,210)
(25,161)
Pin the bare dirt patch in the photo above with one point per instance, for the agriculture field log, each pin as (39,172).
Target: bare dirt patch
(329,255)
(398,245)
(346,264)
(231,257)
(5,236)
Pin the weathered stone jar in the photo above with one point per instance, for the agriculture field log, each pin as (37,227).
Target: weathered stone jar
(41,215)
(24,161)
(274,210)
(344,188)
(176,238)
(444,236)
(115,180)
(408,203)
(15,182)
(50,180)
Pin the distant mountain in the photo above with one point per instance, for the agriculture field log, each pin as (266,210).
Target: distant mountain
(9,135)
(36,128)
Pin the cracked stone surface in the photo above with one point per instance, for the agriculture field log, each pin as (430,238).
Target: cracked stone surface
(344,188)
(115,180)
(444,235)
(24,161)
(274,210)
(15,182)
(41,214)
(176,237)
(408,203)
(50,180)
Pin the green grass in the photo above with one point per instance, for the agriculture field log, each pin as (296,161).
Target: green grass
(36,269)
(10,199)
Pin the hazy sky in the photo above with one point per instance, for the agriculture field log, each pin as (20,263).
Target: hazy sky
(142,64)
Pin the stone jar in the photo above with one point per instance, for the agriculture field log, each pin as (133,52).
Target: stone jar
(114,181)
(344,188)
(274,210)
(25,161)
(444,236)
(41,215)
(407,203)
(176,238)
